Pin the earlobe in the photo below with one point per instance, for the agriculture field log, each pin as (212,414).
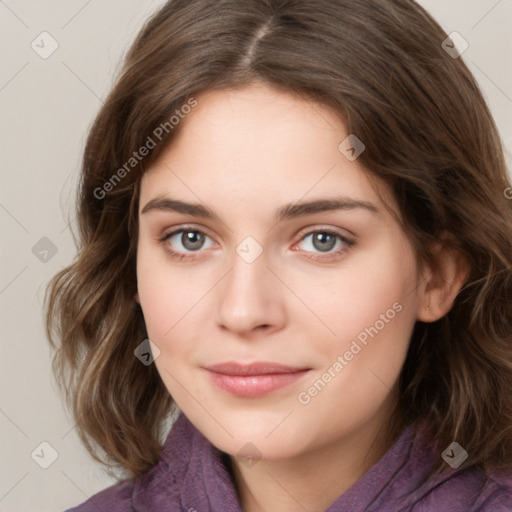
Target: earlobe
(442,283)
(136,297)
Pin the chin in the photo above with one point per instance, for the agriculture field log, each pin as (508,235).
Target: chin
(254,435)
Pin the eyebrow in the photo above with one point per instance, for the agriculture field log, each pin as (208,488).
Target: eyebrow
(286,212)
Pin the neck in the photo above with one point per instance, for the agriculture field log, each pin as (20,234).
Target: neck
(312,480)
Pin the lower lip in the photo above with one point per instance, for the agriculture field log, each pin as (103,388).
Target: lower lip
(251,386)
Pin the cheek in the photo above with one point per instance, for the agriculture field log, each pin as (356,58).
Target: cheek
(165,310)
(154,293)
(371,308)
(373,283)
(165,292)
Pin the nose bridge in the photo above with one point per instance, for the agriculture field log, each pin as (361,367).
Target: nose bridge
(249,297)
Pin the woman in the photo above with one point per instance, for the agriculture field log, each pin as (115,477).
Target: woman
(295,235)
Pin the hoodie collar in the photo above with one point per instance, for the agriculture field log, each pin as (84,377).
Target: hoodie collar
(192,477)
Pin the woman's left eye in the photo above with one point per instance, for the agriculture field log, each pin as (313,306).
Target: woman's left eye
(192,240)
(325,241)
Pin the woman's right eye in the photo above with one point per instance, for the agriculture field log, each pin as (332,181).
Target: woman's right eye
(192,240)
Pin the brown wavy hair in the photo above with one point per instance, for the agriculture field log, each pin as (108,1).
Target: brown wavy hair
(428,133)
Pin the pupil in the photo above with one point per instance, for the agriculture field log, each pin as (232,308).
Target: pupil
(192,240)
(321,237)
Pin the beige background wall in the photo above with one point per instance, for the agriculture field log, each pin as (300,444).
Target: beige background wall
(47,104)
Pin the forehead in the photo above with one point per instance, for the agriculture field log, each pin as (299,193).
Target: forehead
(258,145)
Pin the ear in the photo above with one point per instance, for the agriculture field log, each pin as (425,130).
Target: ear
(136,297)
(441,284)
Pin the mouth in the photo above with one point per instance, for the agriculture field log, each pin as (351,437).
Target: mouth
(254,380)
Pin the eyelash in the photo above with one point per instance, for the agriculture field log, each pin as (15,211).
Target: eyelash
(327,256)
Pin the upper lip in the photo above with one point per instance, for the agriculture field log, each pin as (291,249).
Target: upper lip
(259,368)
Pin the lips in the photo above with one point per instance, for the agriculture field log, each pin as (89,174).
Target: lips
(253,380)
(261,368)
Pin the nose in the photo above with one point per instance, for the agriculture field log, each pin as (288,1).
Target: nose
(250,299)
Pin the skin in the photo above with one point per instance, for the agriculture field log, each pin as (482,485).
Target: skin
(245,153)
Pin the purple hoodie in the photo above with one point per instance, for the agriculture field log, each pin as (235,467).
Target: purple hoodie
(191,477)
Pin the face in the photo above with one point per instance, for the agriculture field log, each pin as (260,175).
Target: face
(329,293)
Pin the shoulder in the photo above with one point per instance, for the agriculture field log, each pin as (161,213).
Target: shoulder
(460,489)
(116,498)
(465,491)
(501,502)
(495,495)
